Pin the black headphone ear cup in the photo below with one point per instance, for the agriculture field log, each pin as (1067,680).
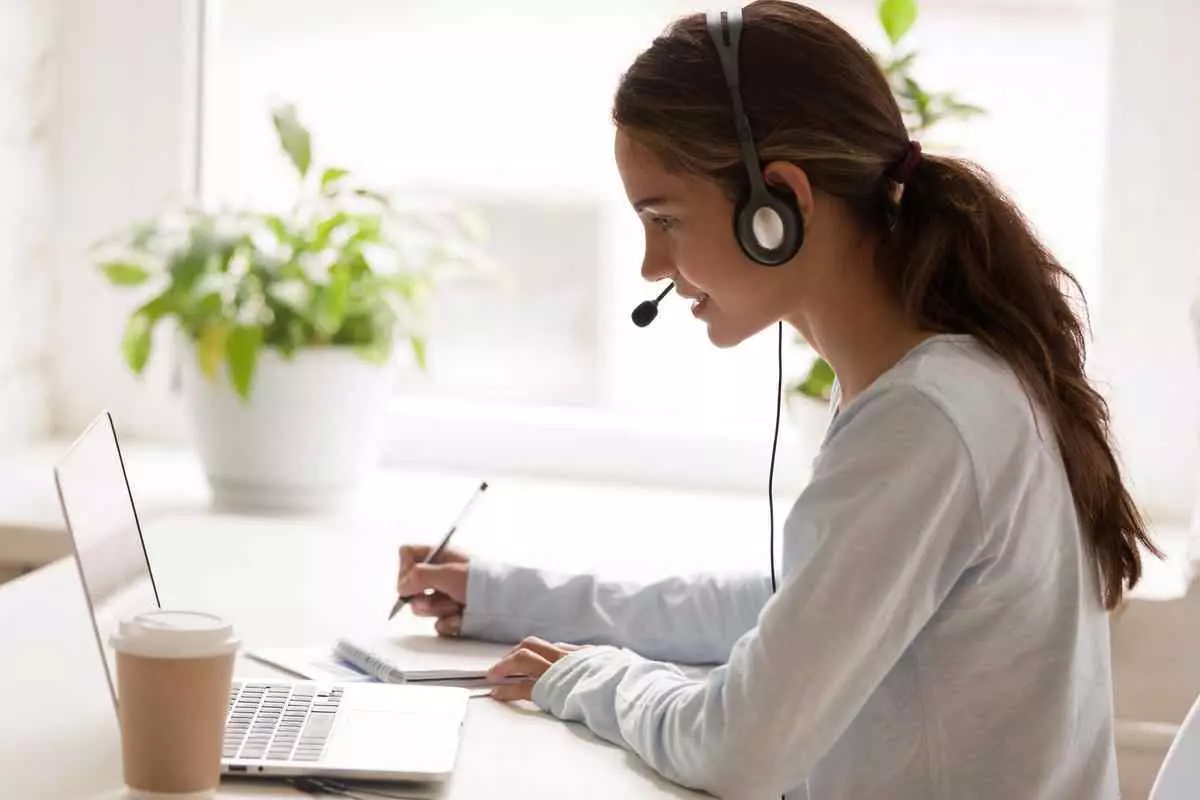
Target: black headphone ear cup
(768,226)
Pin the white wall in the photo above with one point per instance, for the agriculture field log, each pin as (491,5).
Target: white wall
(27,84)
(123,132)
(1151,250)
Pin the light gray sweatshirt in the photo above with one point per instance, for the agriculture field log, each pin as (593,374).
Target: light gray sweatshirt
(937,633)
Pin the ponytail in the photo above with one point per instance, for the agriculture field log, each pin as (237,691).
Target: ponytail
(963,259)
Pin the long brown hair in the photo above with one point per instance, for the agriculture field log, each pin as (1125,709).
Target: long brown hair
(955,251)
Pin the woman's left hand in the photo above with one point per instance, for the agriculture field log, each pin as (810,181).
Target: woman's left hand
(530,659)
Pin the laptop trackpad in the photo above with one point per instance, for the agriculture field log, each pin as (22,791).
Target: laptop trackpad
(387,740)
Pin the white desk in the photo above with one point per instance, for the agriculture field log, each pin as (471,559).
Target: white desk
(304,582)
(301,583)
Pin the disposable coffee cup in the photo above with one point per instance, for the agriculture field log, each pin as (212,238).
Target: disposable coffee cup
(174,670)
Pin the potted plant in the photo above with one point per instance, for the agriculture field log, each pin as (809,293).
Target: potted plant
(922,111)
(289,323)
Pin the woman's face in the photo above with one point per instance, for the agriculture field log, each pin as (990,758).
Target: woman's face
(688,224)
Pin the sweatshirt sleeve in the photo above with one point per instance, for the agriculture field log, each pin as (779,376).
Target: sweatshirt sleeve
(892,515)
(690,620)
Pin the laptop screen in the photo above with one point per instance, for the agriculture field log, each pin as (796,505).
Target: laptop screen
(97,505)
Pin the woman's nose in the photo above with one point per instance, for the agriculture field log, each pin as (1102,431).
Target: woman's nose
(655,267)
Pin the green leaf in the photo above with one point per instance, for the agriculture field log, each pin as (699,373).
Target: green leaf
(293,137)
(333,300)
(135,345)
(418,348)
(138,339)
(955,107)
(408,285)
(325,229)
(295,335)
(373,195)
(377,351)
(210,349)
(897,16)
(278,227)
(210,305)
(369,228)
(123,273)
(159,306)
(331,176)
(188,264)
(359,268)
(919,97)
(242,348)
(899,66)
(819,381)
(363,329)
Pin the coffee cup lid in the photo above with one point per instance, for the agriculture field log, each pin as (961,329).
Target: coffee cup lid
(175,634)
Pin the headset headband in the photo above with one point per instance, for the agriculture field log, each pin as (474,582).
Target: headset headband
(725,28)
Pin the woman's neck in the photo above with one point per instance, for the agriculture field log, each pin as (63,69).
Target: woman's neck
(860,330)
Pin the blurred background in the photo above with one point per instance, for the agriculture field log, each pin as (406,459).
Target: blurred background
(117,111)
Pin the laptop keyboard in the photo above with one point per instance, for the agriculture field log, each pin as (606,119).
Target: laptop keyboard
(279,721)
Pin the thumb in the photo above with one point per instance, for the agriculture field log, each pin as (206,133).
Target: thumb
(449,579)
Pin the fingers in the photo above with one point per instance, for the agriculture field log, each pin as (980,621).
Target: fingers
(449,626)
(449,579)
(520,662)
(551,652)
(534,644)
(511,692)
(437,604)
(414,553)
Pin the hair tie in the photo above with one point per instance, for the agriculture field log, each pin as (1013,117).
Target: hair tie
(912,157)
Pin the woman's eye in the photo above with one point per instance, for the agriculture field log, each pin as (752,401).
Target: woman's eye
(663,223)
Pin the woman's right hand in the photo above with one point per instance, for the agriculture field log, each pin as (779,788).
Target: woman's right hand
(437,590)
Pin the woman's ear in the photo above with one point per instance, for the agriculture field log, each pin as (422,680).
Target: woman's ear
(792,179)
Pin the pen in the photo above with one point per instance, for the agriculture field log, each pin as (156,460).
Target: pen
(441,548)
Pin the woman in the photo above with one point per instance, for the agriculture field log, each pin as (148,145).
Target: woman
(940,628)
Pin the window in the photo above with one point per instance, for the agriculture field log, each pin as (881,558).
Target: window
(505,107)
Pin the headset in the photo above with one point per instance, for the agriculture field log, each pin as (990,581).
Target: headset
(767,222)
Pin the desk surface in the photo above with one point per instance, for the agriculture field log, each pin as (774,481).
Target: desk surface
(305,582)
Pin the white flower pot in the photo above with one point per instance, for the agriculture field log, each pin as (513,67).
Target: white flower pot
(310,433)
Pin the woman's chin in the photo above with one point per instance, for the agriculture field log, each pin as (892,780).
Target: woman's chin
(724,336)
(724,333)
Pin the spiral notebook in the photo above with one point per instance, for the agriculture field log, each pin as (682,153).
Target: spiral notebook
(398,659)
(385,661)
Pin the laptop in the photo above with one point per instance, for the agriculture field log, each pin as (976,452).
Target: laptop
(274,728)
